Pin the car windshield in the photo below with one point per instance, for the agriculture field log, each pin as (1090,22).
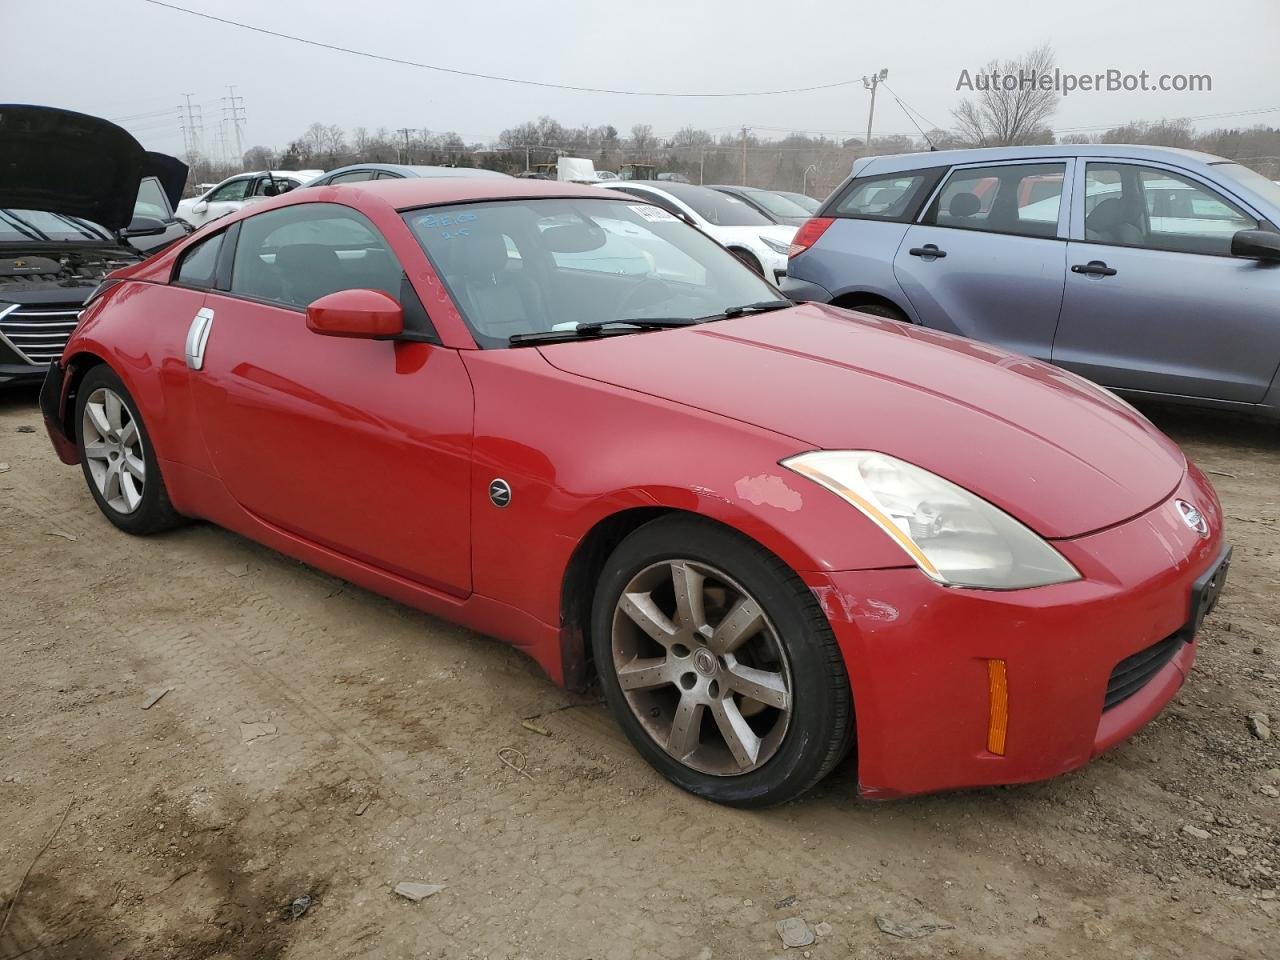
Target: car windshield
(43,227)
(809,204)
(718,209)
(517,267)
(777,204)
(1269,190)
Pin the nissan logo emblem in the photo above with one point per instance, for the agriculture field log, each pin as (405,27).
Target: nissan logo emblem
(499,492)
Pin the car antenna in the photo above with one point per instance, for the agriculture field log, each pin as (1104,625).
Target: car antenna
(932,148)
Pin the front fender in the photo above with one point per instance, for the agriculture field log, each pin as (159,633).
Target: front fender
(575,452)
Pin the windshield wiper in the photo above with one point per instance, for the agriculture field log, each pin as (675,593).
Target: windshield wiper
(24,227)
(599,328)
(762,306)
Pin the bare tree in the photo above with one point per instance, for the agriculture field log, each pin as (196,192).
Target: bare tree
(1011,106)
(258,158)
(642,139)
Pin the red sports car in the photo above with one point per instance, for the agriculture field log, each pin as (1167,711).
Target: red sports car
(565,418)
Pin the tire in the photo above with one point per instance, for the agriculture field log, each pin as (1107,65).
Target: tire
(749,259)
(136,504)
(684,690)
(881,310)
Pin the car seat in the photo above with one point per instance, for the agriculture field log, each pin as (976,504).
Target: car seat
(1114,221)
(498,301)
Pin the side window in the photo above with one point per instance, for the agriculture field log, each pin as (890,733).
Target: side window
(1022,199)
(388,175)
(273,186)
(1137,206)
(299,254)
(894,196)
(355,176)
(235,190)
(199,264)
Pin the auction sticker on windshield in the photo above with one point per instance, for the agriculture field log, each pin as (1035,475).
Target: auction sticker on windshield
(653,214)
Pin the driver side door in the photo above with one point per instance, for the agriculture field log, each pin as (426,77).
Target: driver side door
(360,446)
(1154,299)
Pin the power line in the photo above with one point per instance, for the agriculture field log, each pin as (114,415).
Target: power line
(487,76)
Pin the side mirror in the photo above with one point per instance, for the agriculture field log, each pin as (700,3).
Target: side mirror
(145,227)
(200,207)
(1256,245)
(359,314)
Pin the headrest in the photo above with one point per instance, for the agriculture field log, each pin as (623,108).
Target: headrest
(964,205)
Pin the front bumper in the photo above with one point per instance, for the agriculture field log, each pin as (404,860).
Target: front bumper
(21,374)
(917,654)
(53,407)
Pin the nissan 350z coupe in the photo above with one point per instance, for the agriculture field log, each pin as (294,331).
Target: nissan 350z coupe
(776,533)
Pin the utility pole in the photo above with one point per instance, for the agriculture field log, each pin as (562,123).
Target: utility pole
(744,156)
(194,123)
(234,113)
(408,157)
(871,83)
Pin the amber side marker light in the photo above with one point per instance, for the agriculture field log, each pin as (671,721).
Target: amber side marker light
(997,706)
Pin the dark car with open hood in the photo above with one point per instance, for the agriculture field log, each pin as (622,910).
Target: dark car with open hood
(79,198)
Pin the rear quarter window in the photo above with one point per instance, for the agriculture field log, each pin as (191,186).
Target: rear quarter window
(893,196)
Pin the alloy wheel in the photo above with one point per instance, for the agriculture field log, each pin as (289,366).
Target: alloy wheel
(701,667)
(113,452)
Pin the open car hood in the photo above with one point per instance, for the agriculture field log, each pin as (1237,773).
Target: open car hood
(172,174)
(68,163)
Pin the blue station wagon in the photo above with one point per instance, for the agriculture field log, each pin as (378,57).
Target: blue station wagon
(1151,271)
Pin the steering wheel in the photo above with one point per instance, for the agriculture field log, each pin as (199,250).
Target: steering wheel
(647,291)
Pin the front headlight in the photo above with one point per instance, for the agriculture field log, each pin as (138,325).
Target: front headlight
(775,245)
(954,536)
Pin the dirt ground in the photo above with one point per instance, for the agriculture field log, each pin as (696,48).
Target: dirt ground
(321,741)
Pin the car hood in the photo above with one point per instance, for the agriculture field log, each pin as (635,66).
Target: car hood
(68,163)
(1063,456)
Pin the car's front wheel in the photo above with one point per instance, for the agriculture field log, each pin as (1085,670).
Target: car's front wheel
(719,664)
(117,457)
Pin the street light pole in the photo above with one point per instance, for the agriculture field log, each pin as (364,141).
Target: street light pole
(871,83)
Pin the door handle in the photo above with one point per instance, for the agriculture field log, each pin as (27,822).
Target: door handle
(1094,268)
(197,337)
(928,250)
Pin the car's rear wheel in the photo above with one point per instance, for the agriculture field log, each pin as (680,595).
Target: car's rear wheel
(719,664)
(881,310)
(116,455)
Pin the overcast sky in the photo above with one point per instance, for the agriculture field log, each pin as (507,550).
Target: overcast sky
(132,61)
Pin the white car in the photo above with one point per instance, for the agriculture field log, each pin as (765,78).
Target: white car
(234,192)
(756,240)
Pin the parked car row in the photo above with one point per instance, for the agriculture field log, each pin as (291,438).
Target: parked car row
(1154,272)
(627,455)
(748,515)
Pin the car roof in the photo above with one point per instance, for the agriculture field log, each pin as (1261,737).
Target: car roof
(416,170)
(1051,151)
(428,191)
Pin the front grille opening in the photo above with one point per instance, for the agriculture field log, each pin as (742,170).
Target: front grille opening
(39,334)
(1133,673)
